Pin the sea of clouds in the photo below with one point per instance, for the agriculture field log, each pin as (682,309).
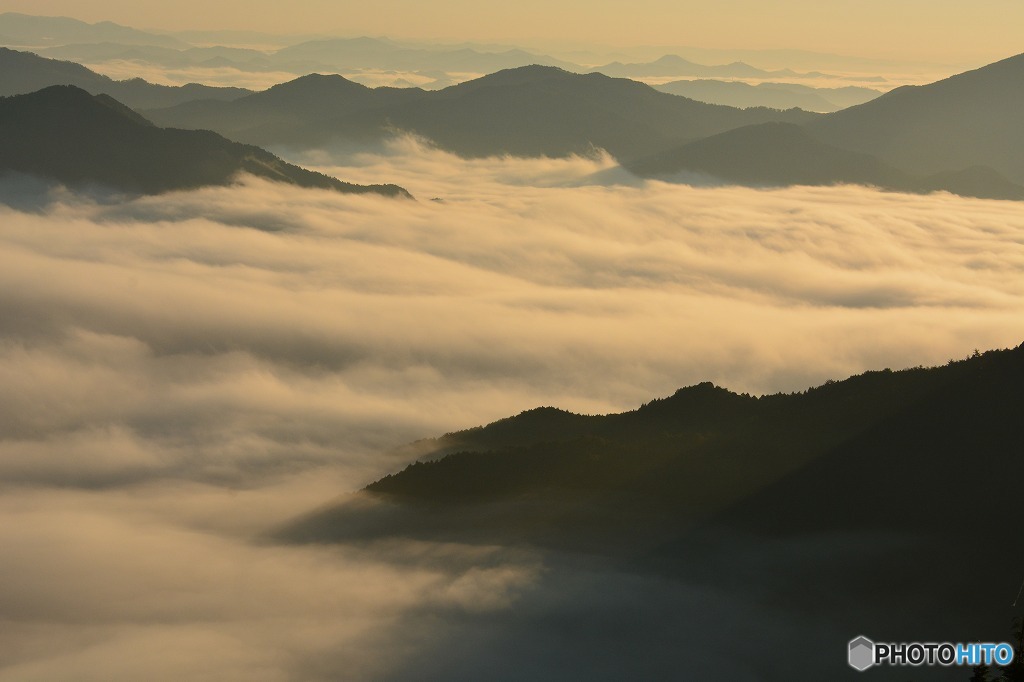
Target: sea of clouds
(181,373)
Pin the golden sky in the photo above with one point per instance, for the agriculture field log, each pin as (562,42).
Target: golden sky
(946,30)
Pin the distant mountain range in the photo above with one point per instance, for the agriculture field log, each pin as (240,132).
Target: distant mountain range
(245,59)
(64,38)
(528,111)
(340,54)
(65,134)
(959,135)
(674,65)
(771,95)
(25,72)
(326,55)
(35,31)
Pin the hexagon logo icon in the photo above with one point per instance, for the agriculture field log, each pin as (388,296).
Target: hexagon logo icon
(862,653)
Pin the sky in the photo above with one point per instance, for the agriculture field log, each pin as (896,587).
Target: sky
(931,30)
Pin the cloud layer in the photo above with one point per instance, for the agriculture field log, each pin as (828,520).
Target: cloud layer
(179,373)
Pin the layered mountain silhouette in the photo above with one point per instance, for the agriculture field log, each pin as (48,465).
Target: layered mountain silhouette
(328,55)
(360,53)
(65,134)
(25,72)
(960,135)
(771,95)
(529,111)
(674,65)
(216,56)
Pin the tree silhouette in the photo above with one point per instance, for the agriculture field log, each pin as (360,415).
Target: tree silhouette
(1015,671)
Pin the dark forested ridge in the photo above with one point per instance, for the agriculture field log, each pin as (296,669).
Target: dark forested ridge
(557,478)
(888,504)
(65,134)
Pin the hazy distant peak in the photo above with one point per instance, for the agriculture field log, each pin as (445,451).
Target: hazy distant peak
(672,59)
(27,29)
(536,73)
(314,85)
(318,80)
(517,76)
(22,17)
(526,73)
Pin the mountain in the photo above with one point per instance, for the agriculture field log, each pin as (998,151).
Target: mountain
(846,509)
(961,135)
(65,134)
(25,72)
(696,454)
(334,55)
(771,95)
(34,31)
(770,154)
(307,111)
(545,111)
(674,65)
(528,111)
(901,514)
(971,119)
(342,54)
(212,57)
(65,38)
(783,154)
